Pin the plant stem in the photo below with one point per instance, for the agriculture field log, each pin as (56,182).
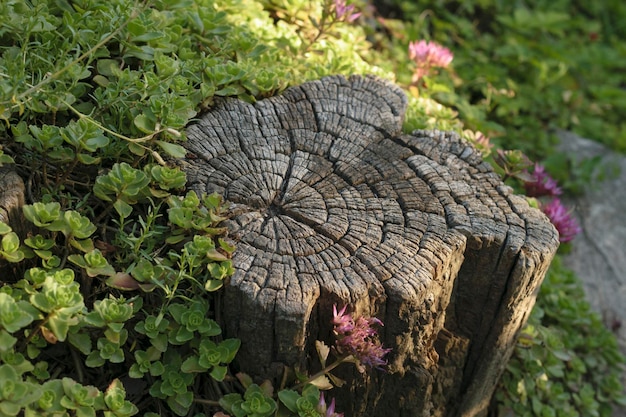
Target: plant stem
(324,371)
(321,27)
(206,402)
(35,331)
(111,132)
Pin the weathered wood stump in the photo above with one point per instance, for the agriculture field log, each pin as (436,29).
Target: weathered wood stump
(332,204)
(11,196)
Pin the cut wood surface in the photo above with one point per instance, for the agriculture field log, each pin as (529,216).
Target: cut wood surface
(332,204)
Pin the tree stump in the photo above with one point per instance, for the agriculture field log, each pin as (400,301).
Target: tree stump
(332,204)
(11,196)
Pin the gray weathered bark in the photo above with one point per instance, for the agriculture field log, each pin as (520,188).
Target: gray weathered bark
(332,204)
(11,195)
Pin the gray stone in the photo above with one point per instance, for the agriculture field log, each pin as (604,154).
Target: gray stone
(598,255)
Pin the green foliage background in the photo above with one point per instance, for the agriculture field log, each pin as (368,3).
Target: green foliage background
(94,98)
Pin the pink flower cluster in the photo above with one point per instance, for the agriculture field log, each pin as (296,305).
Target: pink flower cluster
(543,185)
(327,411)
(562,219)
(358,338)
(428,55)
(347,11)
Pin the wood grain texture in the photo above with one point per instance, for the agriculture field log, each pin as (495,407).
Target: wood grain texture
(332,204)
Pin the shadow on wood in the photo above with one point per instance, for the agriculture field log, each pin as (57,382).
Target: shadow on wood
(332,204)
(11,196)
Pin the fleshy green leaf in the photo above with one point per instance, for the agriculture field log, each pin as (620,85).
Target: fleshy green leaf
(172,149)
(4,228)
(6,341)
(219,372)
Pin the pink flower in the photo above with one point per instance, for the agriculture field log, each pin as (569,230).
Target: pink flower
(358,338)
(541,184)
(562,219)
(343,322)
(343,10)
(328,411)
(427,55)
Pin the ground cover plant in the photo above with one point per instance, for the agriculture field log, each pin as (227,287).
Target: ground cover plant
(94,98)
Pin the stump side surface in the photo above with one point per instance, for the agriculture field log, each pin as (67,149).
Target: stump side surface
(332,204)
(11,195)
